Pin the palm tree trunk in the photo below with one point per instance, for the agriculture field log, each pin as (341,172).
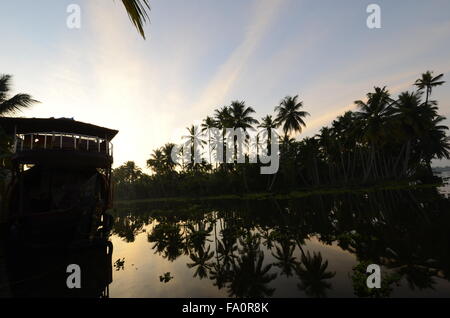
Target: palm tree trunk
(407,155)
(209,147)
(369,167)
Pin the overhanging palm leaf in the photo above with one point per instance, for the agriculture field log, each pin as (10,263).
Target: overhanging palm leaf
(137,12)
(14,104)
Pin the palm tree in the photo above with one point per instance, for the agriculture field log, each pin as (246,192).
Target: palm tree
(413,119)
(10,105)
(427,82)
(290,115)
(223,117)
(137,12)
(207,124)
(241,118)
(435,143)
(168,163)
(373,115)
(196,144)
(129,172)
(156,161)
(266,125)
(241,115)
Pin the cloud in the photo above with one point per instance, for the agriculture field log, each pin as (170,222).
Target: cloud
(265,12)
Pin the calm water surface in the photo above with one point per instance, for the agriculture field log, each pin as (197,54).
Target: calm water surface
(311,247)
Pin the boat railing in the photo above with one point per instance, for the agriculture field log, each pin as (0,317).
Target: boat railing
(62,141)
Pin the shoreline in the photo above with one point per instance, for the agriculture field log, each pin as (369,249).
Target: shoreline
(300,193)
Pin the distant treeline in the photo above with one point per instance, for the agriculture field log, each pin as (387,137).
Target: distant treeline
(386,139)
(441,169)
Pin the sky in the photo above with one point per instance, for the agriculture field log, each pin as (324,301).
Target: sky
(202,54)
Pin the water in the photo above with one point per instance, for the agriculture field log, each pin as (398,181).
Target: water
(445,189)
(255,248)
(315,246)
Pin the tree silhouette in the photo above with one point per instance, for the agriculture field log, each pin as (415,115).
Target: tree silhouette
(313,275)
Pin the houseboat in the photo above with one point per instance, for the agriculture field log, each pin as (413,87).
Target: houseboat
(60,185)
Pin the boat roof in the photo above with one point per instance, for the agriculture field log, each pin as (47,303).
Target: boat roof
(62,125)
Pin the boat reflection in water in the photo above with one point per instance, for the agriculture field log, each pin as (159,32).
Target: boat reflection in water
(43,272)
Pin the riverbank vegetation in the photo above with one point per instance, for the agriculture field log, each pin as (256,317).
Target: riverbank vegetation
(385,139)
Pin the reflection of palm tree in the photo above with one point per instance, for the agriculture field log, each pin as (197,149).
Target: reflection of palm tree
(313,275)
(168,240)
(127,227)
(200,262)
(406,264)
(249,276)
(220,275)
(226,252)
(420,277)
(198,235)
(285,256)
(268,235)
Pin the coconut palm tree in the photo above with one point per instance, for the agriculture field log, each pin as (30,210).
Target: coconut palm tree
(10,105)
(156,161)
(427,82)
(207,124)
(168,163)
(129,172)
(241,115)
(373,114)
(196,143)
(241,118)
(266,125)
(435,143)
(413,119)
(290,116)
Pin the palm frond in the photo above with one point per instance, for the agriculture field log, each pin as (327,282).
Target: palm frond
(137,12)
(16,103)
